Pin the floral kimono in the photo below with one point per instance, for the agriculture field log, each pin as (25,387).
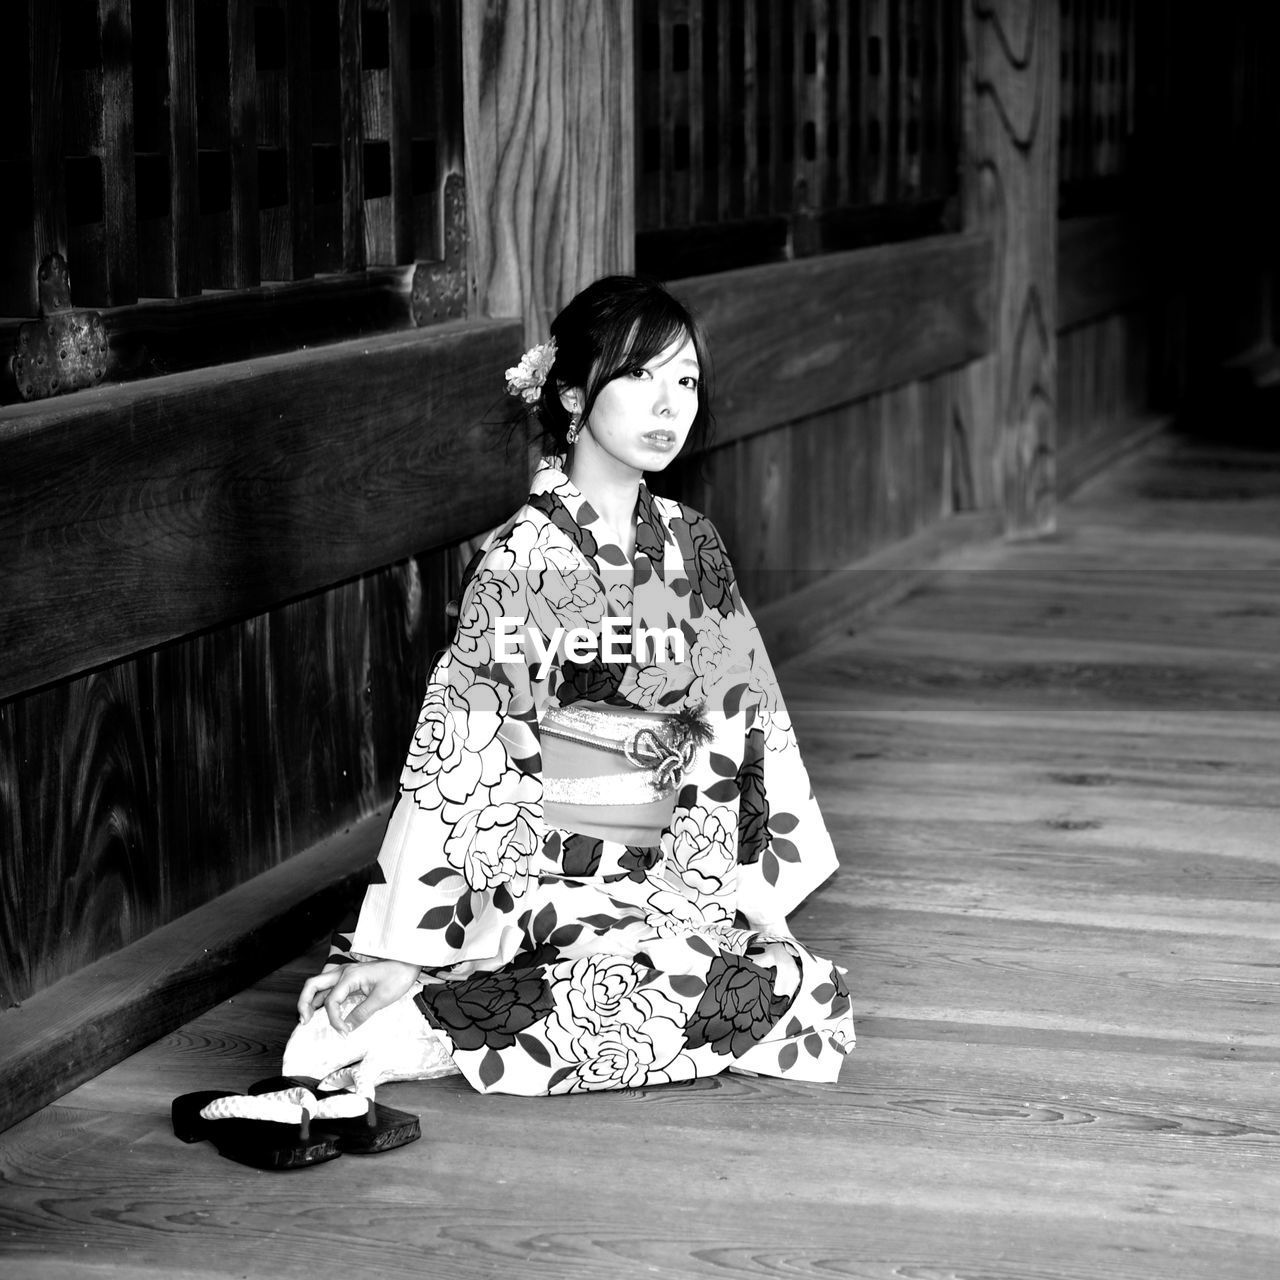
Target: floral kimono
(556,961)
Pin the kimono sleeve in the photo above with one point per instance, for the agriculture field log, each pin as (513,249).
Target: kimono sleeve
(784,848)
(455,860)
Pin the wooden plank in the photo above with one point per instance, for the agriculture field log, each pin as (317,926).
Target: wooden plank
(809,96)
(242,100)
(298,141)
(188,514)
(352,134)
(450,141)
(698,203)
(651,147)
(747,199)
(1011,156)
(167,336)
(550,161)
(48,184)
(781,167)
(136,792)
(108,1010)
(731,124)
(873,39)
(895,131)
(184,188)
(401,131)
(677,99)
(912,98)
(1081,462)
(119,213)
(1101,268)
(841,327)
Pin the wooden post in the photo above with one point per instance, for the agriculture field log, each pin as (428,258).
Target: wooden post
(549,152)
(1010,190)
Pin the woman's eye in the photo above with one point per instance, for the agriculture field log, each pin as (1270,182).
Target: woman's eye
(691,383)
(639,373)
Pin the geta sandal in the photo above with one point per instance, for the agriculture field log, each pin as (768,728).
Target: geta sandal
(380,1128)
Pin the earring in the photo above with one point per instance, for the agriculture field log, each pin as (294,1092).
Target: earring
(575,429)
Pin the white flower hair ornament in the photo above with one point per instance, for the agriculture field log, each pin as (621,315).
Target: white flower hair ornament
(527,378)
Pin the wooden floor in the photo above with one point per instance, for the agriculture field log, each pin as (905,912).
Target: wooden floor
(1053,776)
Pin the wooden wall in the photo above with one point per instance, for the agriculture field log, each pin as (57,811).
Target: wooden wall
(1104,391)
(134,793)
(813,496)
(844,419)
(226,586)
(219,619)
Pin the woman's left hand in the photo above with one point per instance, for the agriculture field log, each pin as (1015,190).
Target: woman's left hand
(381,982)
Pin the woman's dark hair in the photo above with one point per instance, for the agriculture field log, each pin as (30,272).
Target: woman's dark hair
(615,325)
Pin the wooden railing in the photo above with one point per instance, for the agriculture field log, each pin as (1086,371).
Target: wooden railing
(777,128)
(165,147)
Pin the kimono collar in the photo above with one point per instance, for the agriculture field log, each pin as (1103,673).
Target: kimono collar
(555,494)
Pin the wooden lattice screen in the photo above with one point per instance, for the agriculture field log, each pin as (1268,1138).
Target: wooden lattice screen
(1097,102)
(791,126)
(167,147)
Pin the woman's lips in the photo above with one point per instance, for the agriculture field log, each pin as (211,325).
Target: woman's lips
(660,439)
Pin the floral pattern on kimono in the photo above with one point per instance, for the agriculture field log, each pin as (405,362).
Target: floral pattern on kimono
(556,961)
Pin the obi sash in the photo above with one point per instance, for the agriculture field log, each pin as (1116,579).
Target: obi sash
(613,772)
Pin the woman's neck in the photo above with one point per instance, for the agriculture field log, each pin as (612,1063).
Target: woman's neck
(612,495)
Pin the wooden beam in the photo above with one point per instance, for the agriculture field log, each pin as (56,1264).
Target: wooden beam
(130,515)
(1010,190)
(549,115)
(791,339)
(71,1031)
(1101,269)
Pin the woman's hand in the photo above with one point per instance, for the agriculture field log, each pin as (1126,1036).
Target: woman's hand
(382,982)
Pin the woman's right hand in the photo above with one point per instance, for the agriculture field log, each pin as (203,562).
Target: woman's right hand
(382,982)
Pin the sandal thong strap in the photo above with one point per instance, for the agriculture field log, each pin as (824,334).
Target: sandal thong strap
(288,1106)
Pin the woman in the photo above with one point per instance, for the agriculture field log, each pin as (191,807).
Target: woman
(603,820)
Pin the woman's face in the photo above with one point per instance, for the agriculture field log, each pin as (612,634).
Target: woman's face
(641,419)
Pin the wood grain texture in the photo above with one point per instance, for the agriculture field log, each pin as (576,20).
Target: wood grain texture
(1057,901)
(1105,381)
(143,512)
(297,138)
(48,181)
(547,93)
(351,133)
(120,236)
(182,250)
(840,327)
(245,250)
(106,1010)
(813,496)
(141,791)
(168,335)
(1010,191)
